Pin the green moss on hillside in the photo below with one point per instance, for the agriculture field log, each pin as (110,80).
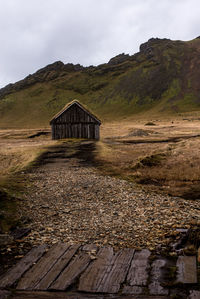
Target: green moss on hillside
(162,77)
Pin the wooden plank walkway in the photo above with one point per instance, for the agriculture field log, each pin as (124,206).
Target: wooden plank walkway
(76,270)
(23,265)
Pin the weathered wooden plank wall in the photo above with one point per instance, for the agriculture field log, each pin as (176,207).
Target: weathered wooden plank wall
(89,131)
(75,115)
(75,123)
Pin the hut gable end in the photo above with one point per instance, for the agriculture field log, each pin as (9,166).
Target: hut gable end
(74,114)
(75,121)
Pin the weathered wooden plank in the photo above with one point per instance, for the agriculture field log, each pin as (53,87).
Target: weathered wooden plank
(91,279)
(57,268)
(186,269)
(198,255)
(38,271)
(74,295)
(69,274)
(22,266)
(53,295)
(155,287)
(117,271)
(75,114)
(134,290)
(138,272)
(107,273)
(90,248)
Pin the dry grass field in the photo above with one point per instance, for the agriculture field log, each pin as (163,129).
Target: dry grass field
(161,156)
(17,152)
(164,155)
(18,148)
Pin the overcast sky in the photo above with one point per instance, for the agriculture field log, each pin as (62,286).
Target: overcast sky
(34,33)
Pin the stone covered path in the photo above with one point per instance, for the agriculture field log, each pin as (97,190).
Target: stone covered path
(74,271)
(70,200)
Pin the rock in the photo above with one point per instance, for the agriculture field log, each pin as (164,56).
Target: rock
(152,41)
(138,132)
(47,73)
(194,294)
(119,59)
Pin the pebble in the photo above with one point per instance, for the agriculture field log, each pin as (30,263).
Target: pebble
(72,202)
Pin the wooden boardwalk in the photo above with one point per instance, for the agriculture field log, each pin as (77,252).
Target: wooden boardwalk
(75,271)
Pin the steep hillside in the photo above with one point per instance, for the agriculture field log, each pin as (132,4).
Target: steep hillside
(163,78)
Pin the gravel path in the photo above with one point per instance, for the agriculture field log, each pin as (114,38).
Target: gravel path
(71,201)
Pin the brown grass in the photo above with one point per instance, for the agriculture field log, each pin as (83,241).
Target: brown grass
(163,158)
(17,152)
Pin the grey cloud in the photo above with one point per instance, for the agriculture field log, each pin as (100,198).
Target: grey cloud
(35,33)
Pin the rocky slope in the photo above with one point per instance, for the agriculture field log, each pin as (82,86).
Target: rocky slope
(163,77)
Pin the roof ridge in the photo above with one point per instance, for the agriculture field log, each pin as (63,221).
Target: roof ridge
(68,105)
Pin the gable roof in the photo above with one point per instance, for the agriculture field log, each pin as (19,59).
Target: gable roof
(66,107)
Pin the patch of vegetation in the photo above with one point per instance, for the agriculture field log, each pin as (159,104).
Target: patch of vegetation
(148,181)
(8,219)
(173,90)
(193,238)
(193,193)
(36,92)
(150,123)
(153,160)
(10,189)
(172,272)
(15,159)
(171,166)
(40,133)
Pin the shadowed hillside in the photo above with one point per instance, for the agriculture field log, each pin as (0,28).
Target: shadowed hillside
(162,78)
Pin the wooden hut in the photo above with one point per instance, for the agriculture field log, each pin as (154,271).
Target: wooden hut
(75,121)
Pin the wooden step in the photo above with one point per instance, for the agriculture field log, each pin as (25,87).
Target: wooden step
(58,267)
(42,267)
(138,273)
(75,295)
(88,271)
(22,266)
(155,287)
(71,272)
(108,272)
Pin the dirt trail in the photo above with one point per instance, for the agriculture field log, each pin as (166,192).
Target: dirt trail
(70,200)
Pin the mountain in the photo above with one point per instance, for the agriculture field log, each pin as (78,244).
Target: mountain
(162,78)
